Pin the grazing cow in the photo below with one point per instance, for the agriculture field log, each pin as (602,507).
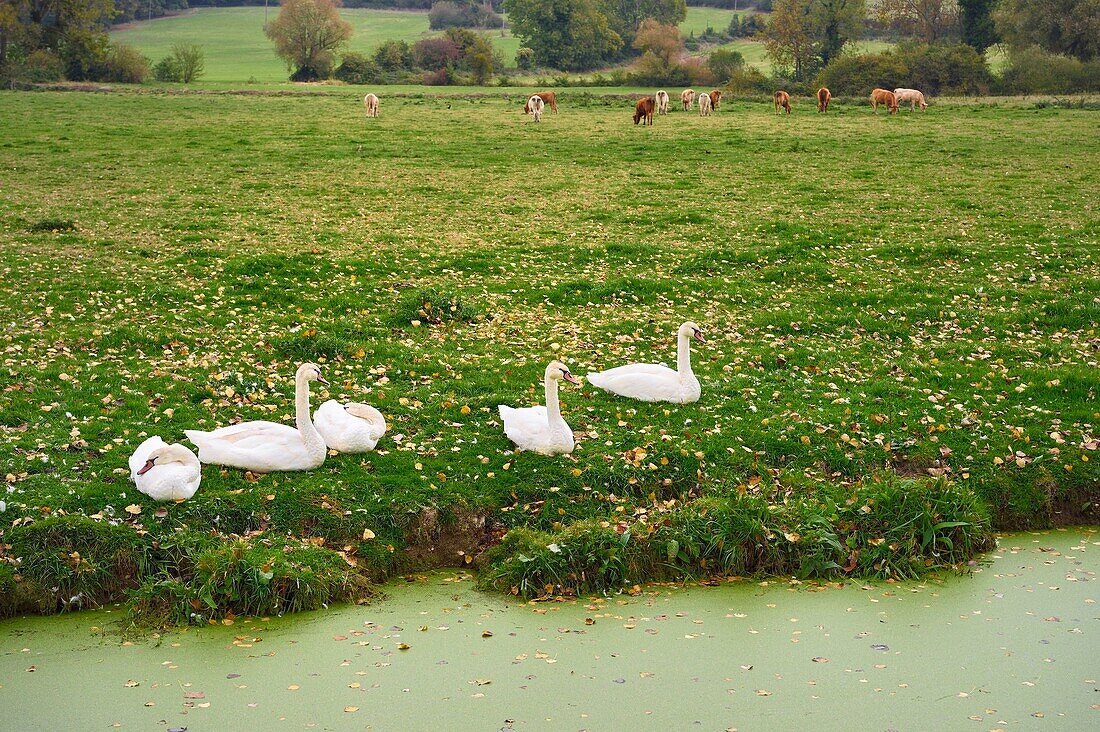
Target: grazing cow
(782,99)
(662,102)
(912,96)
(715,99)
(547,97)
(687,98)
(536,105)
(823,98)
(371,103)
(643,110)
(704,104)
(884,96)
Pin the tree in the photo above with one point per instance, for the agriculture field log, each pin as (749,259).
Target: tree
(627,16)
(724,63)
(928,20)
(661,46)
(564,34)
(976,26)
(189,60)
(305,34)
(1068,27)
(835,23)
(789,37)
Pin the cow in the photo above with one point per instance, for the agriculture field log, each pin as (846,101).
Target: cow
(687,98)
(371,103)
(536,105)
(824,96)
(884,96)
(662,102)
(715,99)
(704,104)
(913,96)
(548,97)
(643,110)
(782,99)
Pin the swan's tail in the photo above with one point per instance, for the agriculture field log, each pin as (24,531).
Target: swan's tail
(197,437)
(596,379)
(504,411)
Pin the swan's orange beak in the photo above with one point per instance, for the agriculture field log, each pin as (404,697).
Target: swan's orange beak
(322,379)
(571,378)
(699,336)
(147,467)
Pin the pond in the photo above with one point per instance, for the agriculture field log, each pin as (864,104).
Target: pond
(1012,646)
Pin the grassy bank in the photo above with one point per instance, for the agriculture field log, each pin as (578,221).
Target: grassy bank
(901,318)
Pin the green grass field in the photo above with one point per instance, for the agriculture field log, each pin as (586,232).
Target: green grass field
(237,51)
(901,318)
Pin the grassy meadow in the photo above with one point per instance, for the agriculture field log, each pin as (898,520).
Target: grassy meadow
(901,319)
(237,51)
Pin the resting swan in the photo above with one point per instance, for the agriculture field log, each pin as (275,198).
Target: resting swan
(541,429)
(652,382)
(351,427)
(263,447)
(165,472)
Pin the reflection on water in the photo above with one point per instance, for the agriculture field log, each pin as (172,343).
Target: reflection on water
(1014,646)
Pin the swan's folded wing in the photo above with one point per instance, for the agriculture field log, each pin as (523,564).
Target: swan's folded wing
(247,430)
(632,369)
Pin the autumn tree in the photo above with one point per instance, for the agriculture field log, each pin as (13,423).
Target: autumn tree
(306,33)
(626,16)
(1067,27)
(789,38)
(72,30)
(661,46)
(927,20)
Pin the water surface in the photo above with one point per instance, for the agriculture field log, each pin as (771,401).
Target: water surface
(1012,646)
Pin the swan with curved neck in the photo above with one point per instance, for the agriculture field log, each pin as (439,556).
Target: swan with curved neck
(350,427)
(165,472)
(652,382)
(265,447)
(542,429)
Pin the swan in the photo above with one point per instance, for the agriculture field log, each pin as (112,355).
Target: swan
(653,382)
(541,429)
(264,447)
(165,472)
(351,427)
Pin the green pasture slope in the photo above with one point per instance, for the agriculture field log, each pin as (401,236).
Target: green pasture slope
(236,49)
(901,318)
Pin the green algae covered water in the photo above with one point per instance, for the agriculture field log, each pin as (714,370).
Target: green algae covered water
(1014,646)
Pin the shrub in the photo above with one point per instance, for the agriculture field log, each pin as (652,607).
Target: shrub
(125,65)
(355,68)
(455,15)
(525,59)
(433,54)
(749,80)
(724,63)
(84,55)
(1034,71)
(190,60)
(699,73)
(394,56)
(39,66)
(858,75)
(947,68)
(167,69)
(440,77)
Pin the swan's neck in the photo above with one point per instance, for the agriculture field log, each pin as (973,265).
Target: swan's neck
(302,420)
(683,356)
(553,409)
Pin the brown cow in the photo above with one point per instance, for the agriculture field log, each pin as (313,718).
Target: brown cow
(884,96)
(782,99)
(715,98)
(687,98)
(823,98)
(644,110)
(550,98)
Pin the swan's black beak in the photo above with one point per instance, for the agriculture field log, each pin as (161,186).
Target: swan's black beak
(699,336)
(147,467)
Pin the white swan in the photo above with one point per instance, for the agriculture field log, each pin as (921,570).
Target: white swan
(165,472)
(541,429)
(351,427)
(652,382)
(264,447)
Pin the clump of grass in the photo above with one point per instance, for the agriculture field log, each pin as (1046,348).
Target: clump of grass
(69,562)
(52,224)
(434,307)
(269,576)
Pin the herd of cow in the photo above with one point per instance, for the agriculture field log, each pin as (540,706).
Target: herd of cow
(708,102)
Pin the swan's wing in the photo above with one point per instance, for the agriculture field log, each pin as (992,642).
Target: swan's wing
(646,381)
(526,427)
(632,369)
(238,433)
